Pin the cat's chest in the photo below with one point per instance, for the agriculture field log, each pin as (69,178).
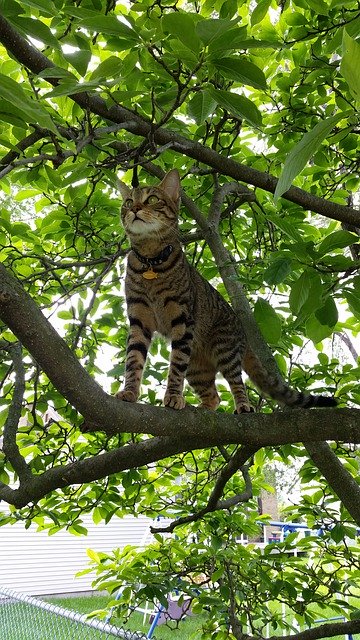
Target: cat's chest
(165,305)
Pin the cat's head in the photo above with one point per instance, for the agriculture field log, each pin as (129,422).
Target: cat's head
(151,211)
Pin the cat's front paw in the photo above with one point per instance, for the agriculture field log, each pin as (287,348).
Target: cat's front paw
(244,408)
(174,400)
(126,396)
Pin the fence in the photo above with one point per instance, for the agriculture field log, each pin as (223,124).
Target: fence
(26,618)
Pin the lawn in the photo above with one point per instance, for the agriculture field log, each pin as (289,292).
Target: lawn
(188,628)
(19,621)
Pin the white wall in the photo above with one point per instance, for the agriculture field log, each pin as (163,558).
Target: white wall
(37,564)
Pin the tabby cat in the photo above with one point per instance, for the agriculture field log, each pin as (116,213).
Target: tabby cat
(164,293)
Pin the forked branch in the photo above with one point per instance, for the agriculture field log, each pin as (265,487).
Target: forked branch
(235,463)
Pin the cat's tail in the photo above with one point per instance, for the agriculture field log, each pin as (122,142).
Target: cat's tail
(276,388)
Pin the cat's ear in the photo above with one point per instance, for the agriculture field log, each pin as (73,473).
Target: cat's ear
(171,185)
(124,189)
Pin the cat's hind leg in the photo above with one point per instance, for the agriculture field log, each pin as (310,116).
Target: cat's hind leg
(201,377)
(230,366)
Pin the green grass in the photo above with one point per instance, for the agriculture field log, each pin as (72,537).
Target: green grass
(188,627)
(19,621)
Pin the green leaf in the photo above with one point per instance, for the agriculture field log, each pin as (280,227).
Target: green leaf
(201,106)
(242,71)
(315,296)
(278,270)
(353,301)
(328,313)
(46,7)
(317,331)
(319,6)
(268,321)
(299,292)
(78,530)
(231,39)
(260,11)
(302,152)
(238,105)
(111,26)
(286,227)
(36,29)
(33,111)
(182,27)
(109,68)
(355,615)
(337,240)
(69,87)
(79,60)
(350,64)
(212,29)
(338,532)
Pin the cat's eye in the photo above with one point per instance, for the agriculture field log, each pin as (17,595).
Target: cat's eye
(128,203)
(152,200)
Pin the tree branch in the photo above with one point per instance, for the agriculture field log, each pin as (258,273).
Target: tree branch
(236,462)
(31,139)
(339,479)
(346,340)
(327,462)
(322,631)
(200,429)
(10,447)
(36,62)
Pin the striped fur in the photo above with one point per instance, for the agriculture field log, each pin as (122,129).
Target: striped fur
(165,293)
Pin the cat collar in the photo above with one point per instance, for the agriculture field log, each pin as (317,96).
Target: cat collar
(156,260)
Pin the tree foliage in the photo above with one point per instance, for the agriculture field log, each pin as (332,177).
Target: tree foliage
(247,100)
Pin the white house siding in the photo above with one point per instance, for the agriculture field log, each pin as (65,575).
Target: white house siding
(37,564)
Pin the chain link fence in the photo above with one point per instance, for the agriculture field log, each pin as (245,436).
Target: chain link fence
(23,617)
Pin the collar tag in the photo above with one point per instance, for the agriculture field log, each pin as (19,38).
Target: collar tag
(150,274)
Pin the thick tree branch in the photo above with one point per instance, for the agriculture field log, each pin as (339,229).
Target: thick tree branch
(100,466)
(337,476)
(322,631)
(339,479)
(200,429)
(229,274)
(36,62)
(219,196)
(24,318)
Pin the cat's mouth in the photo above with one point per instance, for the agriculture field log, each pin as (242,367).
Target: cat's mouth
(145,224)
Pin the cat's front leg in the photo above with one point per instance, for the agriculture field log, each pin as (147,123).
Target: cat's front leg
(138,343)
(181,342)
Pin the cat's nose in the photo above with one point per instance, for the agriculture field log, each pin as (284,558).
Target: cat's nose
(136,207)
